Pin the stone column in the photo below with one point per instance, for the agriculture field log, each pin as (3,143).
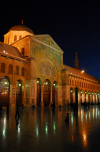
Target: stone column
(42,103)
(50,95)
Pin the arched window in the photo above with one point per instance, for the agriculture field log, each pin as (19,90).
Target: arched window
(53,71)
(80,83)
(8,40)
(17,70)
(22,51)
(10,69)
(15,38)
(72,82)
(22,71)
(20,37)
(47,69)
(3,67)
(41,68)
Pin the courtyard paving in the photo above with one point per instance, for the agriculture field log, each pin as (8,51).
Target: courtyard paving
(45,129)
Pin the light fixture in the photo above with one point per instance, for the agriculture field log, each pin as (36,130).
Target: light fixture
(82,71)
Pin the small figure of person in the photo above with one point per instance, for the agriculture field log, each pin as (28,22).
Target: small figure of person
(67,117)
(17,112)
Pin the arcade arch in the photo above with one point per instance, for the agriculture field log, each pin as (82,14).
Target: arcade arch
(54,92)
(19,92)
(5,91)
(71,95)
(39,82)
(46,92)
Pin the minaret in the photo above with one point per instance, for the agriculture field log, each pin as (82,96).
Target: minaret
(76,62)
(22,21)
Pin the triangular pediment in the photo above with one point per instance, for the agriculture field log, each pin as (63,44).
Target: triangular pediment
(47,39)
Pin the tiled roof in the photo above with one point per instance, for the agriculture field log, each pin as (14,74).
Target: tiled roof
(9,50)
(78,73)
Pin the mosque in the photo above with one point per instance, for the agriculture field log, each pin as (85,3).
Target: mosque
(32,73)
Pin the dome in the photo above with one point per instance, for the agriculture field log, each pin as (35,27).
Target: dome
(21,28)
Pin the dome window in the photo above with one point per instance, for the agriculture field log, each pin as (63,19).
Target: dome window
(15,38)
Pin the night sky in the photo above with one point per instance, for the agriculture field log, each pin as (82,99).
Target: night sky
(74,26)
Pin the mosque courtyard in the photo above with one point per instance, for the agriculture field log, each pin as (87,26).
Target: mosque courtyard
(45,129)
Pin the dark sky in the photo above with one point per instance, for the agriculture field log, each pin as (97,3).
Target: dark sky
(74,26)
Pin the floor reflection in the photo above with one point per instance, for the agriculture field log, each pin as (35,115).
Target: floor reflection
(46,126)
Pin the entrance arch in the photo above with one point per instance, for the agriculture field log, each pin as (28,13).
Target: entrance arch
(38,91)
(81,92)
(54,91)
(46,92)
(4,91)
(19,93)
(71,95)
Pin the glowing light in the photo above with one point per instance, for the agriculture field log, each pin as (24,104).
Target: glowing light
(54,84)
(82,71)
(71,90)
(46,129)
(37,81)
(4,51)
(54,127)
(19,84)
(18,129)
(5,82)
(46,82)
(84,136)
(37,131)
(72,119)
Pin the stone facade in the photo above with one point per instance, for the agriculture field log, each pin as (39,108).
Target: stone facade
(32,71)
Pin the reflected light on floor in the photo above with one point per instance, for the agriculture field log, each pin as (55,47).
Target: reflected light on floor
(84,139)
(4,127)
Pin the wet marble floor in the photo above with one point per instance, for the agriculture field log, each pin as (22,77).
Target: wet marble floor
(44,129)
